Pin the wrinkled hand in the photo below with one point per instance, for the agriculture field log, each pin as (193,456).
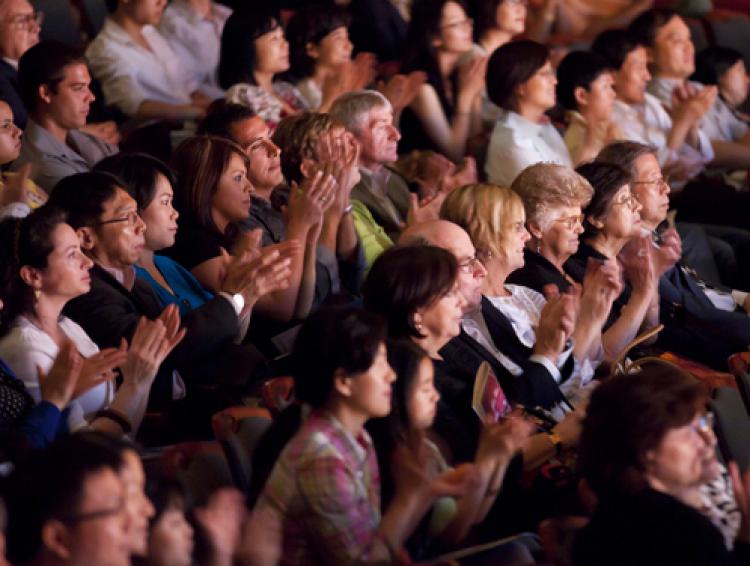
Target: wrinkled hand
(556,322)
(425,209)
(668,253)
(401,90)
(15,186)
(638,265)
(151,344)
(59,384)
(338,154)
(221,520)
(99,368)
(105,131)
(463,174)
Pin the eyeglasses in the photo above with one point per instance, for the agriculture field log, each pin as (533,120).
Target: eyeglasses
(661,182)
(26,21)
(94,515)
(705,423)
(468,22)
(572,221)
(517,2)
(470,265)
(132,219)
(628,200)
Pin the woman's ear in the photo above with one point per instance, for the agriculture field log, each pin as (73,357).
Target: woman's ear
(581,96)
(306,167)
(312,50)
(595,222)
(534,229)
(31,276)
(342,383)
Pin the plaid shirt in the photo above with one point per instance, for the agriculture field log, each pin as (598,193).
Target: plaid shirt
(326,488)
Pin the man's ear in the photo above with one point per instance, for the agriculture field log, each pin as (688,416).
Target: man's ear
(56,539)
(45,93)
(87,237)
(31,276)
(342,383)
(650,55)
(312,50)
(581,96)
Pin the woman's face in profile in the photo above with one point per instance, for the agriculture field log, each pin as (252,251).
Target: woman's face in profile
(456,28)
(272,52)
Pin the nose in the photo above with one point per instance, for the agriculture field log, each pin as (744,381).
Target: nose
(526,236)
(579,228)
(393,133)
(87,262)
(480,271)
(272,149)
(391,376)
(17,132)
(249,188)
(90,96)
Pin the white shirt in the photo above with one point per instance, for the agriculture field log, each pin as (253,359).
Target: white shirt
(26,346)
(130,74)
(196,41)
(311,92)
(718,123)
(517,143)
(650,123)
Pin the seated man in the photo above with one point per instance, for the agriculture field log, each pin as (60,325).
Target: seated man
(54,82)
(531,378)
(112,235)
(66,505)
(713,322)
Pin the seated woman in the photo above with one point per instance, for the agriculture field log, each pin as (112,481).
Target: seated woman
(253,51)
(213,196)
(321,56)
(138,71)
(414,403)
(645,490)
(553,197)
(522,82)
(494,218)
(43,269)
(325,486)
(497,23)
(445,112)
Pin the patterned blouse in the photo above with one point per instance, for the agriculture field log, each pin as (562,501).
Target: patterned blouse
(266,105)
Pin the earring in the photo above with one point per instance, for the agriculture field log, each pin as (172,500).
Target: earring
(539,245)
(37,294)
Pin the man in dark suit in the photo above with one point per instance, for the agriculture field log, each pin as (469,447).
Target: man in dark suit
(19,30)
(112,235)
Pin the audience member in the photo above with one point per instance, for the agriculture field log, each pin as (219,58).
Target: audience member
(446,110)
(253,51)
(645,447)
(714,331)
(494,219)
(45,269)
(19,31)
(66,505)
(54,82)
(193,29)
(325,486)
(138,71)
(522,83)
(585,88)
(170,538)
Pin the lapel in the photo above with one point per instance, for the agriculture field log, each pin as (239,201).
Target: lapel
(503,335)
(142,296)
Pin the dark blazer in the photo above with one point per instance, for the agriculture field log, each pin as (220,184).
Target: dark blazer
(109,312)
(9,92)
(538,271)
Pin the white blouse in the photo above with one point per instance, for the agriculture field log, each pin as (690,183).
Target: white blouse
(26,346)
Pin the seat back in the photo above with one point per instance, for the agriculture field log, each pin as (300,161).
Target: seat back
(60,22)
(238,430)
(732,426)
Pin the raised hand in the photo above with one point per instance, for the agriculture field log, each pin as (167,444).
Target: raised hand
(638,265)
(471,77)
(99,368)
(310,199)
(668,253)
(506,437)
(556,322)
(426,209)
(58,386)
(401,90)
(602,284)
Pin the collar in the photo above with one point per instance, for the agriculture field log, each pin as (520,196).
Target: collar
(12,62)
(45,142)
(125,277)
(518,123)
(115,31)
(356,447)
(378,179)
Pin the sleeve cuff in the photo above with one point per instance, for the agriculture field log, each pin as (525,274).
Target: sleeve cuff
(547,363)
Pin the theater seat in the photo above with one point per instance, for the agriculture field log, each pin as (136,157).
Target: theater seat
(60,22)
(732,426)
(238,430)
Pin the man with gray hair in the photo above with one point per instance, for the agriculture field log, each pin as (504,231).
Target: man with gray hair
(368,115)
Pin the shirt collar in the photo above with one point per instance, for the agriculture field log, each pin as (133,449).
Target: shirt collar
(12,62)
(48,144)
(116,32)
(518,123)
(357,447)
(125,277)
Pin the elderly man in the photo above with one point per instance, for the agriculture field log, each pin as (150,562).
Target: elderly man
(54,82)
(19,30)
(705,323)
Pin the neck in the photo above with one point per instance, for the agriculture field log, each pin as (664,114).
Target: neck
(607,245)
(203,7)
(447,63)
(57,131)
(530,111)
(263,192)
(670,76)
(684,494)
(497,274)
(320,74)
(649,225)
(131,27)
(351,420)
(264,80)
(371,166)
(147,258)
(432,345)
(557,261)
(494,38)
(46,313)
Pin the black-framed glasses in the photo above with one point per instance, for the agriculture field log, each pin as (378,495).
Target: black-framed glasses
(132,218)
(73,518)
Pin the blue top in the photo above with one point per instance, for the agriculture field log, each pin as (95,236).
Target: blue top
(188,292)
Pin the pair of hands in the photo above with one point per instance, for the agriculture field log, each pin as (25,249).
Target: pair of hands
(644,263)
(602,284)
(505,438)
(437,178)
(71,375)
(471,81)
(556,321)
(254,271)
(690,104)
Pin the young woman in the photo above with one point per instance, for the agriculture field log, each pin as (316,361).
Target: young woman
(213,197)
(325,486)
(43,269)
(253,51)
(445,112)
(522,83)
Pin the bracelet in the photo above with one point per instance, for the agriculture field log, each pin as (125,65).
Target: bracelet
(117,418)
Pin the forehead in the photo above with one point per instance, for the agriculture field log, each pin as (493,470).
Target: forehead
(647,164)
(15,7)
(637,56)
(121,200)
(604,79)
(76,72)
(100,489)
(380,113)
(250,128)
(63,236)
(676,27)
(458,242)
(452,11)
(5,112)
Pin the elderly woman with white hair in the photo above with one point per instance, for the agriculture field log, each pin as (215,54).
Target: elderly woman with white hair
(554,197)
